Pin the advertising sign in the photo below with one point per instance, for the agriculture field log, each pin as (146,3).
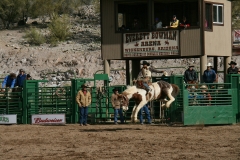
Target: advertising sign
(48,119)
(236,42)
(151,44)
(8,119)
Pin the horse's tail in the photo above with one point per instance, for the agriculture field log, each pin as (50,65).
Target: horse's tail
(175,91)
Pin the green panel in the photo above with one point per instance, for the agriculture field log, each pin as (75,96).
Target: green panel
(222,108)
(208,115)
(234,79)
(101,77)
(11,103)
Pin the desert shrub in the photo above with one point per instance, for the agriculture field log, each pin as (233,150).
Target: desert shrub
(59,28)
(34,37)
(96,4)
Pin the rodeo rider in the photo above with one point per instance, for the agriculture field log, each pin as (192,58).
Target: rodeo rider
(146,74)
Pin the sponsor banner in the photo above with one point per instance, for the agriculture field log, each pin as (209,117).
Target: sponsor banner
(8,119)
(236,42)
(151,44)
(48,119)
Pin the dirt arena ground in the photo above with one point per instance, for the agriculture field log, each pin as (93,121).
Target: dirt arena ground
(119,142)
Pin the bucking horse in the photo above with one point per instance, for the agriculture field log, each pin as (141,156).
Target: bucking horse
(160,90)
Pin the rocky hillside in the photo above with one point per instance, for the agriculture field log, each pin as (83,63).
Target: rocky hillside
(78,57)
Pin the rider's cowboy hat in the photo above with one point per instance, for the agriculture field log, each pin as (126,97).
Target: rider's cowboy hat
(209,65)
(115,89)
(84,86)
(145,63)
(232,62)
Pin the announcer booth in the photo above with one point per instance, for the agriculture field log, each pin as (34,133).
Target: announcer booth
(209,34)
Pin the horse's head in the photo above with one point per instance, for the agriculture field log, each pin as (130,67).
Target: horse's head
(124,101)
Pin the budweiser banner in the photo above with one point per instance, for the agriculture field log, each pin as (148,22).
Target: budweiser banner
(236,42)
(48,119)
(151,44)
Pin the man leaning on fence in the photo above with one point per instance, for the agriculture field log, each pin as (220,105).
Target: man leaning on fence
(116,106)
(83,99)
(190,75)
(232,69)
(209,75)
(20,78)
(9,81)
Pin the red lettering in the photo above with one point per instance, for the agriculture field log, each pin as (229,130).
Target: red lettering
(39,120)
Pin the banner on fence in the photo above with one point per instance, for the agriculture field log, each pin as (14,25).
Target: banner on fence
(48,119)
(8,119)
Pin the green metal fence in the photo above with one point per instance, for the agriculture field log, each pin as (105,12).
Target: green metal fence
(234,79)
(11,103)
(216,105)
(34,99)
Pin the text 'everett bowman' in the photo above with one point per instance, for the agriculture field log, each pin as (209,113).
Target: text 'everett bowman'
(170,35)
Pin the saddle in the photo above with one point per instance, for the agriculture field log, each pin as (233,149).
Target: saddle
(139,84)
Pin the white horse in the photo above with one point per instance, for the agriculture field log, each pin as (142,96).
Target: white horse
(160,90)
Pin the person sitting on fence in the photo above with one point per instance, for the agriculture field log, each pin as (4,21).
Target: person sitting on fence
(145,108)
(204,97)
(232,69)
(9,81)
(116,104)
(83,99)
(20,78)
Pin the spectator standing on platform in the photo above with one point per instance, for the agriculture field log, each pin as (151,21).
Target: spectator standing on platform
(209,74)
(157,24)
(29,77)
(190,75)
(20,78)
(184,23)
(174,23)
(232,69)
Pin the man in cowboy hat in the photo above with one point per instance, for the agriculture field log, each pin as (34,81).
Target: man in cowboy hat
(190,75)
(83,99)
(209,74)
(232,69)
(146,74)
(20,78)
(116,106)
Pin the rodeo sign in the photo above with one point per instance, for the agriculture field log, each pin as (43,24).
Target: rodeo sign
(8,119)
(151,44)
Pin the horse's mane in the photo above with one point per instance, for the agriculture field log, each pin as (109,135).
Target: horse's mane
(130,90)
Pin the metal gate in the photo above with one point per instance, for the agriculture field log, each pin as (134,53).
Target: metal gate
(217,105)
(46,100)
(11,103)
